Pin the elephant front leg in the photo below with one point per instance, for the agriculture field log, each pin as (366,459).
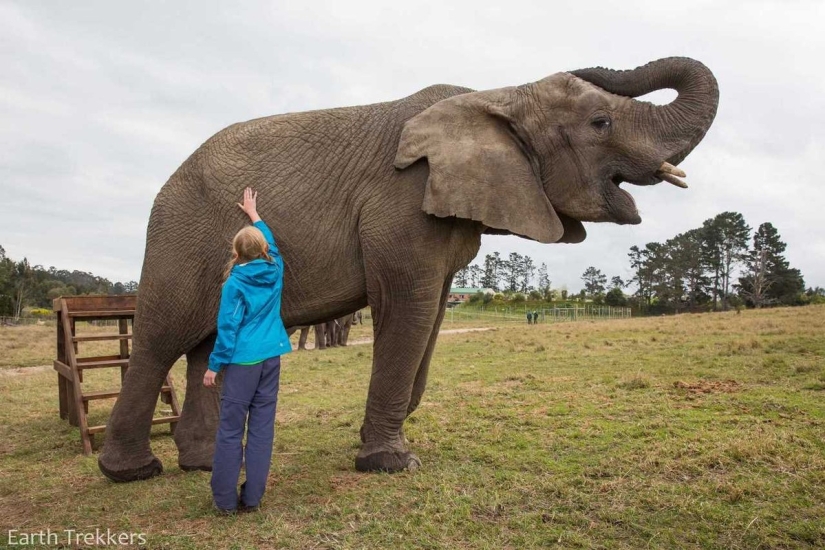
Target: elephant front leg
(404,322)
(195,433)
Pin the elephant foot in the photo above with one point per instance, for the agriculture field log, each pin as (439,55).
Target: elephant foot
(195,450)
(195,467)
(123,473)
(194,459)
(387,461)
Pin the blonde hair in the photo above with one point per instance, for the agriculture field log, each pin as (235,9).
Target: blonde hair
(249,244)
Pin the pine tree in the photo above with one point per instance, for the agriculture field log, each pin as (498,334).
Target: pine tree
(726,243)
(544,281)
(594,281)
(492,265)
(768,279)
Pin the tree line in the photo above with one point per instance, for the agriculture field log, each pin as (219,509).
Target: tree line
(23,285)
(715,266)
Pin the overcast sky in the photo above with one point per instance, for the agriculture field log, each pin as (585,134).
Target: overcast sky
(101,101)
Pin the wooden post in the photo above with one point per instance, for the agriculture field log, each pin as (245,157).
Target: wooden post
(62,383)
(123,328)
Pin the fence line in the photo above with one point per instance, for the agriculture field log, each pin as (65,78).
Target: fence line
(545,315)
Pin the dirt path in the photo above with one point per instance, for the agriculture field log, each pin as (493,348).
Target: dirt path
(17,371)
(363,341)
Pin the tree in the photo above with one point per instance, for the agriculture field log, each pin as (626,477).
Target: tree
(509,270)
(516,272)
(544,282)
(459,279)
(648,264)
(526,272)
(617,282)
(474,274)
(6,267)
(725,239)
(594,281)
(492,264)
(768,279)
(615,297)
(21,281)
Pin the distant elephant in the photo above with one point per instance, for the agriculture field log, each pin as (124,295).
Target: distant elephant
(320,336)
(329,334)
(343,326)
(380,205)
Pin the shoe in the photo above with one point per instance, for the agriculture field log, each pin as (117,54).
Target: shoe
(244,509)
(224,512)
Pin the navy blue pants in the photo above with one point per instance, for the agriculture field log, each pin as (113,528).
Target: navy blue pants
(248,401)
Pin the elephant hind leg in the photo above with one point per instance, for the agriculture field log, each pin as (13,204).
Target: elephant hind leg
(127,455)
(195,433)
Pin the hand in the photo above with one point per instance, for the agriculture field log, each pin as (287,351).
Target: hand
(250,204)
(209,378)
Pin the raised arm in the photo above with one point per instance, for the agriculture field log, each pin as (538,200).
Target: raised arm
(250,207)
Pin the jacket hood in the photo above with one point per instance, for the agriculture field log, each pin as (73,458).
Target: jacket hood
(259,273)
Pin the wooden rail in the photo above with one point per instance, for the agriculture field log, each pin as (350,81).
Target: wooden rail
(74,403)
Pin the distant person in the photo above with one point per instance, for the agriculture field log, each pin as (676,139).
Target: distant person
(529,317)
(251,339)
(535,317)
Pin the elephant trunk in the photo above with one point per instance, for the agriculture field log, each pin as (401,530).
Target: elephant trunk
(680,125)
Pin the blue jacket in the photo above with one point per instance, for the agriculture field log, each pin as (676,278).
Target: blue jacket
(250,328)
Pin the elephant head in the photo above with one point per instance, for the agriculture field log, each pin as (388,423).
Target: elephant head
(537,160)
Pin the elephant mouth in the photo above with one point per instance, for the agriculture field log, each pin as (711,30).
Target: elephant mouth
(621,203)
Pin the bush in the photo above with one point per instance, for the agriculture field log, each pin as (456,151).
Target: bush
(517,298)
(616,298)
(40,312)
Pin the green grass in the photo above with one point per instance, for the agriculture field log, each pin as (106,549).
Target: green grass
(697,431)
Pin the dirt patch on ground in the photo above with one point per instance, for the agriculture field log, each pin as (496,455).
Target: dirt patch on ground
(708,386)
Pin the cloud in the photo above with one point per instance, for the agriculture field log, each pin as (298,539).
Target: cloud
(102,101)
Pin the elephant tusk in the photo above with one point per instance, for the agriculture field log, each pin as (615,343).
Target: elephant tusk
(668,168)
(670,178)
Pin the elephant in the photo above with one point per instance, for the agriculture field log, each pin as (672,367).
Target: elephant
(330,334)
(320,335)
(380,205)
(342,328)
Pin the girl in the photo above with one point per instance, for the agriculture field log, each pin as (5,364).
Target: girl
(251,339)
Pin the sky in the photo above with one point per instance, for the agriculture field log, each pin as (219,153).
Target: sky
(101,101)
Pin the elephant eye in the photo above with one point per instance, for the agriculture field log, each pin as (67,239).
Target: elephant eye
(601,123)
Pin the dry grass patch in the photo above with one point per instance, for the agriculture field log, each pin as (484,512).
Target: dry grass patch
(616,434)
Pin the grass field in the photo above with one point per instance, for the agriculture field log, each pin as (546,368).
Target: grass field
(697,431)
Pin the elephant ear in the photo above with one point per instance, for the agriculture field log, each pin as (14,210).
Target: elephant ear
(477,168)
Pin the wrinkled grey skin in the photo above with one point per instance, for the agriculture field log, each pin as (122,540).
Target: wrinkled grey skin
(380,205)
